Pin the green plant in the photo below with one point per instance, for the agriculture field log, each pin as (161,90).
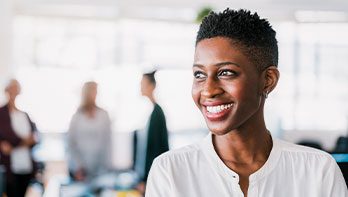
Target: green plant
(202,13)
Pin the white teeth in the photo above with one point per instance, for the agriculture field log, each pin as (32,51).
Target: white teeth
(218,108)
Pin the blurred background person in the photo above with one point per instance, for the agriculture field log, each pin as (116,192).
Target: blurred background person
(17,138)
(151,141)
(89,137)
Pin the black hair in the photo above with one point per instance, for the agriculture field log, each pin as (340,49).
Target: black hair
(253,35)
(151,77)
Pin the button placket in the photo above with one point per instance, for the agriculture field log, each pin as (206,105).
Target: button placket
(235,185)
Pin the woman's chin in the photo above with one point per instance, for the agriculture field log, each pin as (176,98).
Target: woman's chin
(220,128)
(216,130)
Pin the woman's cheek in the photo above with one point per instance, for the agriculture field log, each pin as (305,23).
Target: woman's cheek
(240,89)
(233,89)
(195,92)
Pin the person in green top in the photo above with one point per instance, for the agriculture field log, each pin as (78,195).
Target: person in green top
(153,140)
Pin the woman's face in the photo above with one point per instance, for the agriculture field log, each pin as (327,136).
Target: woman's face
(227,86)
(13,89)
(146,87)
(89,94)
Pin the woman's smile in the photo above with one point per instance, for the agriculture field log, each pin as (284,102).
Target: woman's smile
(216,111)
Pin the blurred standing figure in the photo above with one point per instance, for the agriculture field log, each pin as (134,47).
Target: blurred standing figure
(17,137)
(153,140)
(89,137)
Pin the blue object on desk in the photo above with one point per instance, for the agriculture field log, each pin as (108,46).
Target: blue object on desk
(340,157)
(342,161)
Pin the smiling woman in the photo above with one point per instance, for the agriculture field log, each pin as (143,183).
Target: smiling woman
(235,68)
(224,76)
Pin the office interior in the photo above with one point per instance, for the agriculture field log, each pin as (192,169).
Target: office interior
(53,47)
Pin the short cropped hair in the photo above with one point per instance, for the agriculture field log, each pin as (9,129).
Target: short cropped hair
(254,36)
(151,77)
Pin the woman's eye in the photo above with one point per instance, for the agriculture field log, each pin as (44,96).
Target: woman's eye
(227,73)
(199,75)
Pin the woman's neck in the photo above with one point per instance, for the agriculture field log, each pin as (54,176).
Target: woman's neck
(239,148)
(12,105)
(152,99)
(247,144)
(90,110)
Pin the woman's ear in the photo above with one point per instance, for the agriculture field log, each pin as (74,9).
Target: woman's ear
(271,79)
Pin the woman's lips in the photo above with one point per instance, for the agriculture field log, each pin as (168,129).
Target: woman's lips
(217,112)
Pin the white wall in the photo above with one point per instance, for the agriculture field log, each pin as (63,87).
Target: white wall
(5,43)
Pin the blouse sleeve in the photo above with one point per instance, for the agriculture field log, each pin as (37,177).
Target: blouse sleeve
(334,183)
(107,142)
(159,182)
(34,130)
(73,153)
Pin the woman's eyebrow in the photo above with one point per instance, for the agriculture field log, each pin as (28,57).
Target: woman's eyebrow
(218,64)
(227,63)
(198,65)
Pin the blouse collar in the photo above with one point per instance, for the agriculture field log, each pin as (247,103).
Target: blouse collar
(214,159)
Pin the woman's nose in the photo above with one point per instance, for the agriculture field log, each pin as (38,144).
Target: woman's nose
(211,88)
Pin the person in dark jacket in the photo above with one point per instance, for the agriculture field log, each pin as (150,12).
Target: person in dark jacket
(17,137)
(153,139)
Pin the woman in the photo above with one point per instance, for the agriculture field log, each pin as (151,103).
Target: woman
(153,140)
(89,137)
(235,68)
(17,138)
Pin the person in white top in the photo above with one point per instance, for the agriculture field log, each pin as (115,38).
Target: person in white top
(89,138)
(235,68)
(18,135)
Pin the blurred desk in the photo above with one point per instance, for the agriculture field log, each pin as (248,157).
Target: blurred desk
(114,193)
(108,185)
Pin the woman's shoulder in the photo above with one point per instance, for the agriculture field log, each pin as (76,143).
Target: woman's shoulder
(295,151)
(181,155)
(4,108)
(315,165)
(292,147)
(99,110)
(102,111)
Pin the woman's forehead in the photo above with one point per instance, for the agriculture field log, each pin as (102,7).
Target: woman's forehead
(218,50)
